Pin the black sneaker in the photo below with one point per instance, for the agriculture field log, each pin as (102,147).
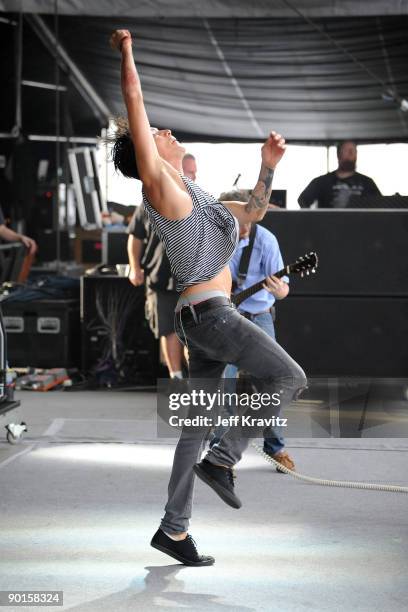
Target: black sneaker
(184,551)
(220,479)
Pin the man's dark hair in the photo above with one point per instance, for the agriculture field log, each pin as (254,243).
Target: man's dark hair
(236,195)
(123,152)
(343,142)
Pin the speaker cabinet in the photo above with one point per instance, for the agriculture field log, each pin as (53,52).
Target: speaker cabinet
(345,336)
(360,252)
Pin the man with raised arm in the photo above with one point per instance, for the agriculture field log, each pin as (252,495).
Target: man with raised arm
(200,234)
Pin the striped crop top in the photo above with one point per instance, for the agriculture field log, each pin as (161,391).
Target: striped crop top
(200,245)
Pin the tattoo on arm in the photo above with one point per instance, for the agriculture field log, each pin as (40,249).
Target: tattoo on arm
(259,199)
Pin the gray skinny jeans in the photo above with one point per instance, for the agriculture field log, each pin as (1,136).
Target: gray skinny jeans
(223,336)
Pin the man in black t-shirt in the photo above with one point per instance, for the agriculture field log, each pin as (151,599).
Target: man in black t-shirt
(334,190)
(149,263)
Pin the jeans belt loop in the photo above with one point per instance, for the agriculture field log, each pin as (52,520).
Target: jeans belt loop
(193,313)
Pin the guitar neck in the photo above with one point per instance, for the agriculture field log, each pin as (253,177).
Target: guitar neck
(243,295)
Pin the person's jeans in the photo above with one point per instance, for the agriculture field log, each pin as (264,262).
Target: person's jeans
(272,442)
(221,336)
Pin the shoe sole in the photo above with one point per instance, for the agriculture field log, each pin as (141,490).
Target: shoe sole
(280,471)
(226,497)
(173,554)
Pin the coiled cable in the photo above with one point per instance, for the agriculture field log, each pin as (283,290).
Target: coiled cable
(330,483)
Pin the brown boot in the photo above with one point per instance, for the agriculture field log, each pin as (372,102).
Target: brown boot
(285,459)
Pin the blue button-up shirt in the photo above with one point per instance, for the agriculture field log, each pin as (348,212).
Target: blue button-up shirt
(266,259)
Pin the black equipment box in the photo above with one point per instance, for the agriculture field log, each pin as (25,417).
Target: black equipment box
(43,333)
(345,336)
(117,344)
(361,252)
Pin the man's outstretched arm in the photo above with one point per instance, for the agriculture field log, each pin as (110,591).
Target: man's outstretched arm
(166,194)
(11,236)
(148,159)
(256,207)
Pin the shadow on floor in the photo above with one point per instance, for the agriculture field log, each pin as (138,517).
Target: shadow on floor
(162,590)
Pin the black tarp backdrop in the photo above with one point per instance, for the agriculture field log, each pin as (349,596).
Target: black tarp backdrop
(210,8)
(225,71)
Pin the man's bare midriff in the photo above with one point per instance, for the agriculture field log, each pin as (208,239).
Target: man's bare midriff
(222,282)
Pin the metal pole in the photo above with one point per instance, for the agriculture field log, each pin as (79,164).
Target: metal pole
(80,82)
(19,70)
(57,141)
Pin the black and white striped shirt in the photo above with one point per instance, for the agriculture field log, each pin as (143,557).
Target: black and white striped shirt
(200,245)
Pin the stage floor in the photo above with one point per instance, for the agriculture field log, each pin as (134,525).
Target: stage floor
(82,494)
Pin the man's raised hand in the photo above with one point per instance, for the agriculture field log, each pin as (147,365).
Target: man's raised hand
(273,150)
(118,37)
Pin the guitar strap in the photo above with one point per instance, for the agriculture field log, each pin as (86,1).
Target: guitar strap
(246,256)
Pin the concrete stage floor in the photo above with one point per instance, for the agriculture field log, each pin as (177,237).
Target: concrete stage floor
(82,494)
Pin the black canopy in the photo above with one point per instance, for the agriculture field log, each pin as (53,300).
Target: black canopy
(223,70)
(210,8)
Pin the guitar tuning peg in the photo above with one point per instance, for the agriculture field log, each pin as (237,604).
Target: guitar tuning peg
(307,272)
(302,274)
(313,270)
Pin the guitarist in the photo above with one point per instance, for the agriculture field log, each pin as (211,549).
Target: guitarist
(258,256)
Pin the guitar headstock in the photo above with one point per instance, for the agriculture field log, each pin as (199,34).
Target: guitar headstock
(306,264)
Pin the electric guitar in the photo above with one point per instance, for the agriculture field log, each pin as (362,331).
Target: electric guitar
(303,265)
